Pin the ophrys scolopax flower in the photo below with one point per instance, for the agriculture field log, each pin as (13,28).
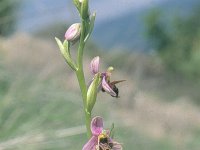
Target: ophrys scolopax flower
(100,139)
(106,85)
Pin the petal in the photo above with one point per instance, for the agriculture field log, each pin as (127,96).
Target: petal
(97,125)
(107,88)
(94,65)
(91,144)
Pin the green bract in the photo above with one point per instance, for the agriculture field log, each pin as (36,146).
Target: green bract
(65,51)
(92,92)
(77,4)
(84,9)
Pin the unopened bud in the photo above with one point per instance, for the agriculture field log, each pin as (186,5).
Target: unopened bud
(73,32)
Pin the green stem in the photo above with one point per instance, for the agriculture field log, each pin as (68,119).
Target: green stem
(81,77)
(83,87)
(88,121)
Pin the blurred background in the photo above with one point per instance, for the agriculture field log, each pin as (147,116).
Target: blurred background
(153,44)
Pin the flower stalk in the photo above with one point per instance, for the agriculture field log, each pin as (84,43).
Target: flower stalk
(81,77)
(80,33)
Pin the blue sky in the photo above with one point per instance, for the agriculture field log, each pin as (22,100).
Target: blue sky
(113,8)
(36,13)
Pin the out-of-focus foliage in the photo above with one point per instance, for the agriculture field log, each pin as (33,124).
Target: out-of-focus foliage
(177,42)
(156,31)
(4,81)
(8,16)
(52,30)
(40,108)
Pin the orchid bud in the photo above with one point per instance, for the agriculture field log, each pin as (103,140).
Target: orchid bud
(73,32)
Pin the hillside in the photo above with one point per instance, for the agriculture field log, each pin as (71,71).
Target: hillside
(41,107)
(128,30)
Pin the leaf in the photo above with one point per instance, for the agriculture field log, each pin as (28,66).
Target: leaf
(92,20)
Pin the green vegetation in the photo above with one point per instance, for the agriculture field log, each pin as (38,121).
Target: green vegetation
(177,41)
(8,16)
(40,108)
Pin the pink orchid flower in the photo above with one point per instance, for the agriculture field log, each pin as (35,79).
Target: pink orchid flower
(100,139)
(105,85)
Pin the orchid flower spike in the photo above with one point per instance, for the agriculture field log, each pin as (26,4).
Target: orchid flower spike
(106,85)
(73,32)
(100,139)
